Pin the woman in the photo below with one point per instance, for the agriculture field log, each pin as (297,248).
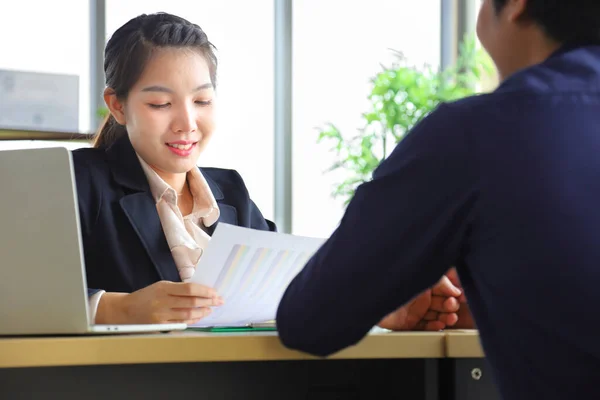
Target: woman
(147,211)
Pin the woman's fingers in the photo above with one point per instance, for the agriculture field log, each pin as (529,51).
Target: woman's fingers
(189,289)
(193,302)
(188,314)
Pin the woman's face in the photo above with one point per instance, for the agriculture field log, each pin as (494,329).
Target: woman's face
(169,112)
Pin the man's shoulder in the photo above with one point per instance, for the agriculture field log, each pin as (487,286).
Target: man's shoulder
(480,110)
(455,117)
(471,104)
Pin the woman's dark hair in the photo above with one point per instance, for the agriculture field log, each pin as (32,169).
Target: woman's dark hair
(565,21)
(130,48)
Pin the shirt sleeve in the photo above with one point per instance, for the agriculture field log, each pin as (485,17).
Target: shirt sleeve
(400,233)
(93,302)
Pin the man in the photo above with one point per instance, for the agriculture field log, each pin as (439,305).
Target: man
(504,186)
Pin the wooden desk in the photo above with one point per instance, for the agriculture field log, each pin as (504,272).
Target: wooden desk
(181,347)
(463,344)
(220,366)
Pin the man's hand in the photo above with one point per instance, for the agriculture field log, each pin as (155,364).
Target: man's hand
(465,318)
(432,310)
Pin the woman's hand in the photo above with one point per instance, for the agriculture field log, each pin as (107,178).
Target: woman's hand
(159,303)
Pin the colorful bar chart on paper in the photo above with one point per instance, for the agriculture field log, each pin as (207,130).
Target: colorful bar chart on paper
(250,269)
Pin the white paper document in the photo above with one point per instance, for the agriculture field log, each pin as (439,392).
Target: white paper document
(250,269)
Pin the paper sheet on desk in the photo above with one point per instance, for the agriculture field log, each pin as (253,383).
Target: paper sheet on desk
(250,269)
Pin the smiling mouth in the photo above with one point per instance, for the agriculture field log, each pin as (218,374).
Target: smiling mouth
(181,146)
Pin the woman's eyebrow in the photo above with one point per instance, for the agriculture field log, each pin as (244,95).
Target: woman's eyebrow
(163,89)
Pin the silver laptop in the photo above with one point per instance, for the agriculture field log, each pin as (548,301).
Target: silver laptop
(42,274)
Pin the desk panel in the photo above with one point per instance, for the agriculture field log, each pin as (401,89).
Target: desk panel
(259,380)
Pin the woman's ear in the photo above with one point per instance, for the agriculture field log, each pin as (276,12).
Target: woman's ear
(115,106)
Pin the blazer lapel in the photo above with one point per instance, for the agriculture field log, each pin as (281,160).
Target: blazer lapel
(227,213)
(140,208)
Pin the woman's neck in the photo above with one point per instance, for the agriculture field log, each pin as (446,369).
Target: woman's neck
(176,181)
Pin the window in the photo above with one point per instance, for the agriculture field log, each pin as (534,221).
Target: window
(41,40)
(338,46)
(242,31)
(489,81)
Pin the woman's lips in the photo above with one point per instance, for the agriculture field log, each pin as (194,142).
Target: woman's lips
(181,148)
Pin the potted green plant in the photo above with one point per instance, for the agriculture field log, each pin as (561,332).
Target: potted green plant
(401,95)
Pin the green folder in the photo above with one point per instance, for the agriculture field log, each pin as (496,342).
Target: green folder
(233,329)
(259,327)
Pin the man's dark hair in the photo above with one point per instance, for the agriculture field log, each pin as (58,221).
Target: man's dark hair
(564,21)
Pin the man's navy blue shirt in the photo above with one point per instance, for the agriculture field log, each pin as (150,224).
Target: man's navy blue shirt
(506,187)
